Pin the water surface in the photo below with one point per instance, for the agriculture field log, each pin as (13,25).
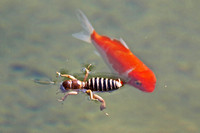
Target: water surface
(36,41)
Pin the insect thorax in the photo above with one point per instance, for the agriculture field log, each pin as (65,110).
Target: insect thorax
(71,84)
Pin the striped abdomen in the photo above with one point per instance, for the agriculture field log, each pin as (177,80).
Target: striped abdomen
(103,84)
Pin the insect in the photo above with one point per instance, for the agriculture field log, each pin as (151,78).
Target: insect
(95,84)
(118,56)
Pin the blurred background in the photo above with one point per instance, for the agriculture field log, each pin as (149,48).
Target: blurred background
(36,41)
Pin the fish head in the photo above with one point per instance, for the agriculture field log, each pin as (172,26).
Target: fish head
(143,80)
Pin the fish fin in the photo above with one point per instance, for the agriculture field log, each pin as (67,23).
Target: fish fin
(126,73)
(124,43)
(97,53)
(87,28)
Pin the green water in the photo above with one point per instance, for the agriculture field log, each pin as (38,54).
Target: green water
(36,41)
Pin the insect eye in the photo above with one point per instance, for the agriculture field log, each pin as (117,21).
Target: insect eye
(137,82)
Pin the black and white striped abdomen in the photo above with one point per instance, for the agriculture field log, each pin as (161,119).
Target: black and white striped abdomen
(103,84)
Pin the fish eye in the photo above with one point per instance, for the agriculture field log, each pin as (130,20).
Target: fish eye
(137,82)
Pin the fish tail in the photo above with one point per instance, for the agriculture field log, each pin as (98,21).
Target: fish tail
(84,35)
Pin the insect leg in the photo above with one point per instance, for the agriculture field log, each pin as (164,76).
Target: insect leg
(90,93)
(66,75)
(100,99)
(86,72)
(69,93)
(103,103)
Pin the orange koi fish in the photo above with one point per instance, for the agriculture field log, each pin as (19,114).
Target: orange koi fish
(118,56)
